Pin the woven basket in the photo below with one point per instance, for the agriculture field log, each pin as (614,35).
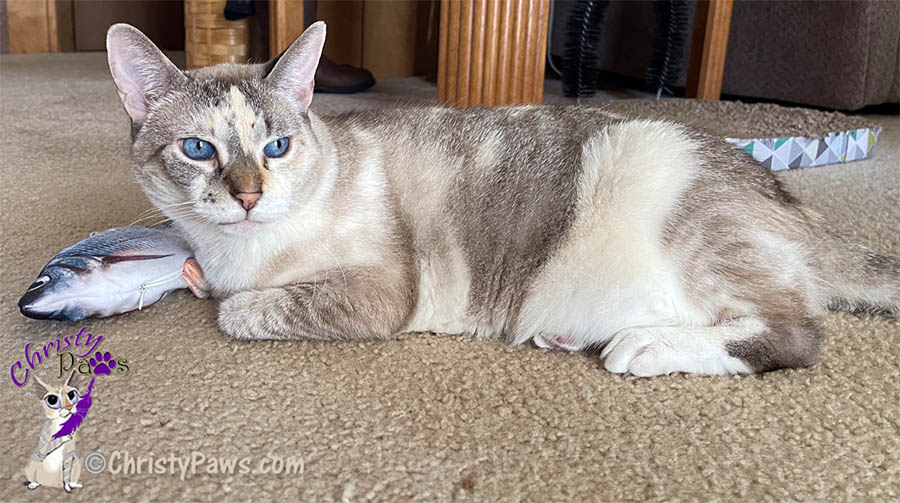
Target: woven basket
(210,39)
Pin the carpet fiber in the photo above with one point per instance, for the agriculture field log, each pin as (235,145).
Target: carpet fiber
(424,417)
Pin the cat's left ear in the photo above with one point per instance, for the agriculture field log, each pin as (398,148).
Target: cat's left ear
(294,72)
(74,379)
(143,74)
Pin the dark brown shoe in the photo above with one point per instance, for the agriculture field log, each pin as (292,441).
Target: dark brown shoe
(343,79)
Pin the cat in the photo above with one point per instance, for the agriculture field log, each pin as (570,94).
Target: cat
(568,226)
(55,463)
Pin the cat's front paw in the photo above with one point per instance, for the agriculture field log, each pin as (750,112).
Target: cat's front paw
(32,485)
(241,316)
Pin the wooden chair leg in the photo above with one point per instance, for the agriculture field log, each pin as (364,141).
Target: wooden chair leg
(712,23)
(285,24)
(37,26)
(492,52)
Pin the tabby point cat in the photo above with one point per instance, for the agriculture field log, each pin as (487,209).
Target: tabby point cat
(568,226)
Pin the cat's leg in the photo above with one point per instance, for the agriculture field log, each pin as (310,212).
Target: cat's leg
(75,478)
(739,346)
(31,469)
(68,464)
(345,304)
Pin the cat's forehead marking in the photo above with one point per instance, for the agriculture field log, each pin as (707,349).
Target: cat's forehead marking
(244,120)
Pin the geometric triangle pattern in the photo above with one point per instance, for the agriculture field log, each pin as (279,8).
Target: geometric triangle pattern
(793,152)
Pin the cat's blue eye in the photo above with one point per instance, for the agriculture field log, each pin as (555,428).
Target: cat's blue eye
(52,401)
(277,148)
(197,149)
(73,396)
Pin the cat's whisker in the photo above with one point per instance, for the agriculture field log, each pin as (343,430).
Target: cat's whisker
(185,216)
(175,211)
(321,243)
(166,206)
(145,218)
(160,222)
(155,217)
(159,211)
(145,214)
(336,261)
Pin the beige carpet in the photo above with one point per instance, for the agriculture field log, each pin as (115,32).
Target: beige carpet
(424,418)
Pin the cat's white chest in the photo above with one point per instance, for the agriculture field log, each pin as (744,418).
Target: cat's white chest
(53,461)
(235,263)
(267,259)
(228,272)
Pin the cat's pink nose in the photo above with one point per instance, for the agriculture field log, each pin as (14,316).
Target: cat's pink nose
(248,199)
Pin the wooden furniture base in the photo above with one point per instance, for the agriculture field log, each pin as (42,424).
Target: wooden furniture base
(492,52)
(285,24)
(36,26)
(712,23)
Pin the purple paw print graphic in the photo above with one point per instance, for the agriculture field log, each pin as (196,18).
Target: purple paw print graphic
(102,364)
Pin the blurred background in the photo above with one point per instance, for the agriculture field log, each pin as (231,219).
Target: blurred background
(836,54)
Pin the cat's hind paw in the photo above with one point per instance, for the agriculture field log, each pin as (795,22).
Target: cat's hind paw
(653,351)
(623,354)
(196,281)
(559,342)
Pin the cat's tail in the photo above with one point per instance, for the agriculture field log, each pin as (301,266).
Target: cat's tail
(857,279)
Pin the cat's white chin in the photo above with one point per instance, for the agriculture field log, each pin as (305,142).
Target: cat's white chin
(240,227)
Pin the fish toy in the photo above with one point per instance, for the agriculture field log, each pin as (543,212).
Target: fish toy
(110,272)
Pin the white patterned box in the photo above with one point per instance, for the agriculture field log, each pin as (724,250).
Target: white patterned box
(779,154)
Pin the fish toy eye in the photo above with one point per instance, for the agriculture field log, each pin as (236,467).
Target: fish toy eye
(197,149)
(43,280)
(277,148)
(52,401)
(73,396)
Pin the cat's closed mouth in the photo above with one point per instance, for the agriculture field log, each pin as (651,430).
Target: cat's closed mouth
(244,225)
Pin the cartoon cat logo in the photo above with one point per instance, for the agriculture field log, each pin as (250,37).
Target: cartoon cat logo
(55,463)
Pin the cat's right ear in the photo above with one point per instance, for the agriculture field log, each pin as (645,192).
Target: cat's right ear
(40,389)
(143,74)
